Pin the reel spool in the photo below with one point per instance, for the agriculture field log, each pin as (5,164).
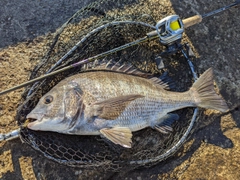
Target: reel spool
(170,29)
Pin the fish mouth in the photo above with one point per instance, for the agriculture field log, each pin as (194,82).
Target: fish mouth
(31,124)
(33,116)
(28,120)
(32,120)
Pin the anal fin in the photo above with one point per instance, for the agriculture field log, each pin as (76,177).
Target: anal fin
(167,121)
(118,135)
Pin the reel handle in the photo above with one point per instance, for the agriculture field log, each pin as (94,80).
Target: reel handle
(192,21)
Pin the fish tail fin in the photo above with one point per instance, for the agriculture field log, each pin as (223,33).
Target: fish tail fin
(204,94)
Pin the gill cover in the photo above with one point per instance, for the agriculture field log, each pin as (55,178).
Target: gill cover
(73,103)
(62,113)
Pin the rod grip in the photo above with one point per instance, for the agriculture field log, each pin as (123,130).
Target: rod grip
(192,20)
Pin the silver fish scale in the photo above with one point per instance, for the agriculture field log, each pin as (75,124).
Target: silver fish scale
(140,113)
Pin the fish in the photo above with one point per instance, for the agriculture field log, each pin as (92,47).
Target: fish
(114,101)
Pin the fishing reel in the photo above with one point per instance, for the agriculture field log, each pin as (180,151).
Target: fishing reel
(169,31)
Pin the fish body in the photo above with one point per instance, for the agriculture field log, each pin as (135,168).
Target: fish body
(117,102)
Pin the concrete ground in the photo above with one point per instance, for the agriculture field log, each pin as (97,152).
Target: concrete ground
(212,151)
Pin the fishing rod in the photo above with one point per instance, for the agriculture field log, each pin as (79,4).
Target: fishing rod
(169,30)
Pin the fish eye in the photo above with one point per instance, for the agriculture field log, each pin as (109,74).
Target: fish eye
(48,99)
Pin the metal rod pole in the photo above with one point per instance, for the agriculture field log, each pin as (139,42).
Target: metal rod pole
(11,135)
(150,36)
(90,59)
(221,9)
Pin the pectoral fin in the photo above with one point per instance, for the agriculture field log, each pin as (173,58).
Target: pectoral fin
(119,135)
(111,108)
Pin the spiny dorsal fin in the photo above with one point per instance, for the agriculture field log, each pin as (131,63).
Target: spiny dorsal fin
(164,81)
(116,67)
(127,69)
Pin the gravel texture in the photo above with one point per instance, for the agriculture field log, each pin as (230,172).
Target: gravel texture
(212,151)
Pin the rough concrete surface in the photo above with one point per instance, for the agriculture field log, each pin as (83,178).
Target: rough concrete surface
(212,151)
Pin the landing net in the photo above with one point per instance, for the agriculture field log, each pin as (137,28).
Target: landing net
(96,28)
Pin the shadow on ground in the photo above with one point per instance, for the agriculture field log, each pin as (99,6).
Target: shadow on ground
(215,40)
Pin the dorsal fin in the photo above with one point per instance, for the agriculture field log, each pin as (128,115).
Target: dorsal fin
(129,69)
(160,83)
(116,67)
(164,81)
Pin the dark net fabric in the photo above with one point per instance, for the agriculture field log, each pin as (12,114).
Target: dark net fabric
(82,32)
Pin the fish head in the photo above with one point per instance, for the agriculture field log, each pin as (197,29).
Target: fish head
(57,110)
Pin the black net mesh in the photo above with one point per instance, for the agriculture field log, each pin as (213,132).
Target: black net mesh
(87,33)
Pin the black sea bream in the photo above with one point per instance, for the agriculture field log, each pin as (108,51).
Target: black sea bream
(115,102)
